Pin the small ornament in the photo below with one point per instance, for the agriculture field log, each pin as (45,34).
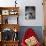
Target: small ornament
(6,21)
(15,3)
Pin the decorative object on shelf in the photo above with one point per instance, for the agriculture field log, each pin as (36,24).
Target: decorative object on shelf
(5,12)
(15,29)
(15,3)
(7,34)
(6,21)
(13,12)
(30,12)
(15,34)
(15,37)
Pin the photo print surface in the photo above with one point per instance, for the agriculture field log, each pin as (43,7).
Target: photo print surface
(30,12)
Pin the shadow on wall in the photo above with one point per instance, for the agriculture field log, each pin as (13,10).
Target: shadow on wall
(37,29)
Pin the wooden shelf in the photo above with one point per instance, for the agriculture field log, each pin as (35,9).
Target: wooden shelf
(9,8)
(11,26)
(9,43)
(4,13)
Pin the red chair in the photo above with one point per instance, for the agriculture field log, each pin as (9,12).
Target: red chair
(29,33)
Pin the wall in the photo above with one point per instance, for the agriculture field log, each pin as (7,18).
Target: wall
(22,4)
(39,15)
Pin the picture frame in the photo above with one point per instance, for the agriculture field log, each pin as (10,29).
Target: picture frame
(5,12)
(30,12)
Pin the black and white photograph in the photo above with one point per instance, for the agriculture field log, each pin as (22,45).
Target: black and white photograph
(30,12)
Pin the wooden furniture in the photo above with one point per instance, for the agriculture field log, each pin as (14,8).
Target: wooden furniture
(10,43)
(7,23)
(45,36)
(5,12)
(0,43)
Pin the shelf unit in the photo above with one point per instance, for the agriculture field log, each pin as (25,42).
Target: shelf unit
(7,23)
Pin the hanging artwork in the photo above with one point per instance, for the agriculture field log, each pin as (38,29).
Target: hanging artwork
(30,12)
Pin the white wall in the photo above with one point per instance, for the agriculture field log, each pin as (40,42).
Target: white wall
(22,3)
